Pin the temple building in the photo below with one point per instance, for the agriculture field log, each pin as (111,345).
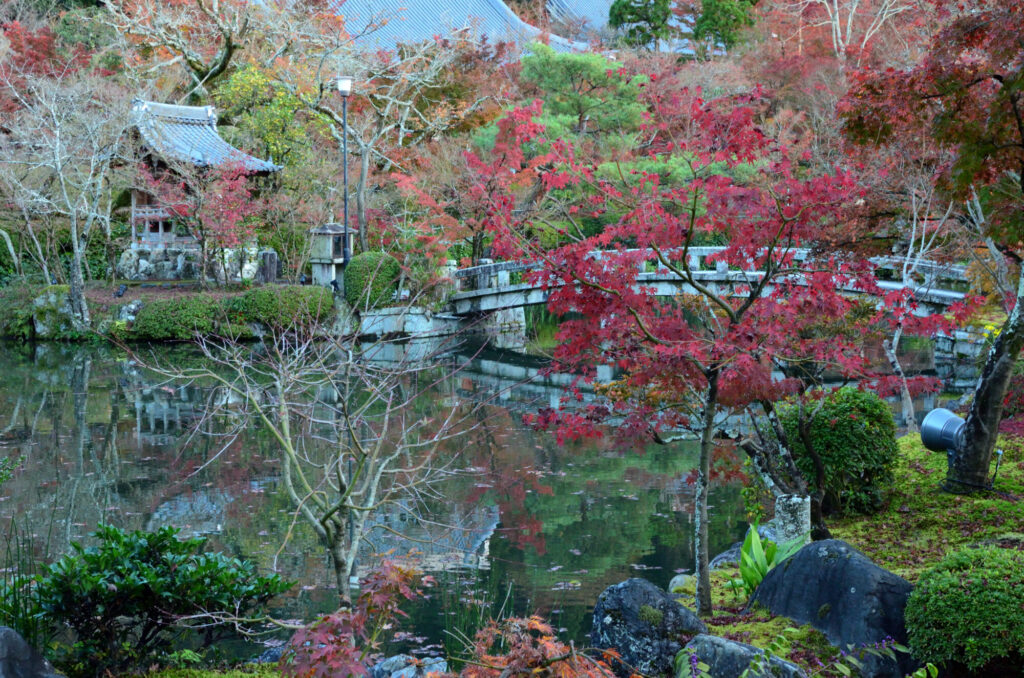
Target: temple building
(179,134)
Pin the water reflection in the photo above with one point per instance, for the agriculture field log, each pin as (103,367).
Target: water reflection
(102,440)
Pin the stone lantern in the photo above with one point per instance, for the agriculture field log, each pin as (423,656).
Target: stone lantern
(327,253)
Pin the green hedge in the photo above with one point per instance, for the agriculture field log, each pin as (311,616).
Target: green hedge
(855,435)
(969,609)
(282,307)
(371,280)
(278,307)
(176,319)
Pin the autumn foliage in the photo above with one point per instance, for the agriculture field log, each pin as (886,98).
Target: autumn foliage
(340,643)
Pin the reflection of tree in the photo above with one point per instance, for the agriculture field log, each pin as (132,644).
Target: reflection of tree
(574,519)
(356,429)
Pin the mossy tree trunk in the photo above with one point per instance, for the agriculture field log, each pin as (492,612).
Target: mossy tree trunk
(968,466)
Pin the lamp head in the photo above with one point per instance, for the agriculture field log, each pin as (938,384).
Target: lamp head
(344,83)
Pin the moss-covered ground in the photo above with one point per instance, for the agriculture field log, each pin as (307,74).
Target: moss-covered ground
(918,525)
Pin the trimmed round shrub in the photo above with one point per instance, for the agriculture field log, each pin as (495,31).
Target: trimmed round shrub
(969,610)
(371,280)
(282,306)
(855,435)
(177,319)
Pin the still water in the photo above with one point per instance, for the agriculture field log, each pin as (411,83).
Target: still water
(521,521)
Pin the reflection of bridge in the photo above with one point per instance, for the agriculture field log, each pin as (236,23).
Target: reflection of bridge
(488,287)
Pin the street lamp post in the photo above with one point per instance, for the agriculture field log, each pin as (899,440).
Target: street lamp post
(344,89)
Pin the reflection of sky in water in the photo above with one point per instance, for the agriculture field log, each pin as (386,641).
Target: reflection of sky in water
(103,442)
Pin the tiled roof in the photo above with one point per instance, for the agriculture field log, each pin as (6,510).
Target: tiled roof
(189,134)
(594,12)
(419,20)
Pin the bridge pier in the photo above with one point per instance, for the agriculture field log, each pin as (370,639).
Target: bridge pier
(505,328)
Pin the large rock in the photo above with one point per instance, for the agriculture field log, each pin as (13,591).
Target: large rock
(838,590)
(52,317)
(404,666)
(729,659)
(18,660)
(727,558)
(128,264)
(645,624)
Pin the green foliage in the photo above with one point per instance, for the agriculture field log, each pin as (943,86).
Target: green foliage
(176,319)
(644,21)
(587,87)
(723,20)
(757,558)
(779,647)
(371,280)
(252,102)
(968,609)
(16,310)
(84,26)
(686,664)
(282,306)
(855,436)
(124,600)
(246,671)
(18,606)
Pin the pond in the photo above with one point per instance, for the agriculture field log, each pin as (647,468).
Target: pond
(521,521)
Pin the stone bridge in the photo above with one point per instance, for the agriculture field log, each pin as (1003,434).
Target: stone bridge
(488,288)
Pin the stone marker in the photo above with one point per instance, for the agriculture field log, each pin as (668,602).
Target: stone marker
(792,518)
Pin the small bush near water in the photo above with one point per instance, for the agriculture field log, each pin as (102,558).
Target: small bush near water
(969,611)
(125,601)
(855,435)
(371,280)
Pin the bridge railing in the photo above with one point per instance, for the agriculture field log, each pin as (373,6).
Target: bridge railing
(927,274)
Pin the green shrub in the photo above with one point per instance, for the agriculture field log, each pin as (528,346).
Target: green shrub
(855,435)
(125,598)
(371,280)
(16,310)
(176,319)
(282,306)
(969,609)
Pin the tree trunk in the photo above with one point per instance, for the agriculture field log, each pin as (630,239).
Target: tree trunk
(819,530)
(76,284)
(10,248)
(906,402)
(968,466)
(707,445)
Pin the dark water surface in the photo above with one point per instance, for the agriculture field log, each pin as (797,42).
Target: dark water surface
(525,522)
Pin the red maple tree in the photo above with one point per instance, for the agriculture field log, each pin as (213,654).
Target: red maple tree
(965,96)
